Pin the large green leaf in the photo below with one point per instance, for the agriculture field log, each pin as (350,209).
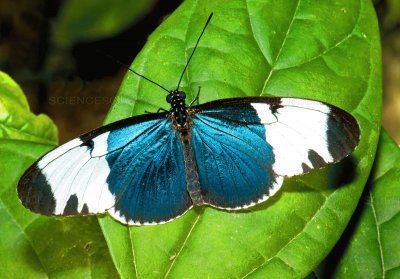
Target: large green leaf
(93,19)
(34,246)
(324,50)
(374,249)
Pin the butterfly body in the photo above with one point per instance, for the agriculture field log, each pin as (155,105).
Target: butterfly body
(180,115)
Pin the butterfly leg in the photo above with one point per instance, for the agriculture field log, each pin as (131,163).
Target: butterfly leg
(160,109)
(196,99)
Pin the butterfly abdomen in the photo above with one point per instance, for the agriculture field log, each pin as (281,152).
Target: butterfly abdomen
(192,176)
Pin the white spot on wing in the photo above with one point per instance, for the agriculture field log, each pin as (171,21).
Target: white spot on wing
(305,104)
(264,113)
(301,126)
(61,178)
(100,145)
(58,152)
(76,173)
(97,196)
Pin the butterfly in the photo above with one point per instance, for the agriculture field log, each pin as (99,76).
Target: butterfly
(229,154)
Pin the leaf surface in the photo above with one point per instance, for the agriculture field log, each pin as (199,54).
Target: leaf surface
(327,51)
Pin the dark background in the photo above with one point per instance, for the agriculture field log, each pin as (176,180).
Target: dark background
(75,84)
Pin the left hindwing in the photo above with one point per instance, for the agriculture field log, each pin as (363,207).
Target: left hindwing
(244,146)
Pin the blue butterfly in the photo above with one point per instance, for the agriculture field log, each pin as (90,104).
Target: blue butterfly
(150,169)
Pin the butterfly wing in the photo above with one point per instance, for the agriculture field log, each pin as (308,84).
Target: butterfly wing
(132,168)
(244,146)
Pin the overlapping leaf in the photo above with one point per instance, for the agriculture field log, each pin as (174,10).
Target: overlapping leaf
(34,246)
(16,121)
(91,19)
(374,248)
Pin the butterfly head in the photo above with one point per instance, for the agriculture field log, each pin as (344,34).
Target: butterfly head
(178,107)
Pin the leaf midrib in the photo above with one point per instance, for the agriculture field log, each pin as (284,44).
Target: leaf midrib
(280,49)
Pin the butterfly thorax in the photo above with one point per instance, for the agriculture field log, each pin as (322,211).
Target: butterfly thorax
(178,109)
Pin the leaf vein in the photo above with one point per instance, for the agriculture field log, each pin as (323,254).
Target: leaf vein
(378,235)
(35,138)
(338,43)
(301,232)
(280,49)
(133,253)
(183,245)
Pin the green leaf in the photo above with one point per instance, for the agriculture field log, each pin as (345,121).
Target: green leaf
(16,121)
(31,245)
(325,50)
(374,248)
(91,19)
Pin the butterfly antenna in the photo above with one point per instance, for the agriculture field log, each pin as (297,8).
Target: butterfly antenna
(195,47)
(136,73)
